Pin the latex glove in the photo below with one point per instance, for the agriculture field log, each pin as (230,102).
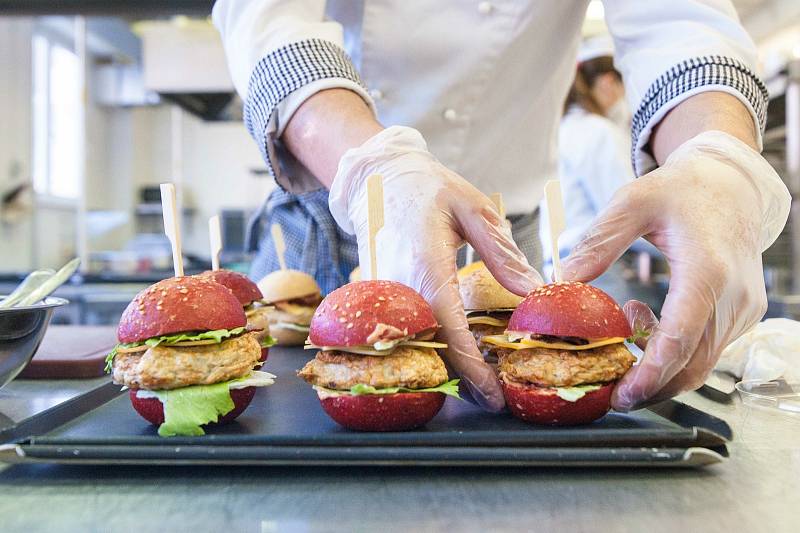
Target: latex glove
(712,209)
(429,212)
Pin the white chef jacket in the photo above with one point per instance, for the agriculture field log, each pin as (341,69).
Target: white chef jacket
(483,81)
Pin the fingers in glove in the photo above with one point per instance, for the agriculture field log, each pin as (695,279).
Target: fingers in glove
(612,232)
(439,286)
(685,315)
(726,326)
(642,320)
(483,228)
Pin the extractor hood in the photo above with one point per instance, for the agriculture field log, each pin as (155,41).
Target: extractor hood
(183,61)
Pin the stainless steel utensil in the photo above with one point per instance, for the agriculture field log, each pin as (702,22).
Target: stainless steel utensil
(21,332)
(51,284)
(29,284)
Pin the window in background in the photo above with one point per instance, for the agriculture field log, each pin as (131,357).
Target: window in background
(56,118)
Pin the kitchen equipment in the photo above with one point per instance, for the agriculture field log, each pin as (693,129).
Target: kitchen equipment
(38,285)
(72,352)
(285,425)
(721,382)
(776,395)
(31,282)
(21,332)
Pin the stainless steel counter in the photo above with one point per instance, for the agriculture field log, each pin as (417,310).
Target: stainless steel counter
(758,489)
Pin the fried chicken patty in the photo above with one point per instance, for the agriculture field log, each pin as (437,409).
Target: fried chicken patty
(415,368)
(172,367)
(478,331)
(565,368)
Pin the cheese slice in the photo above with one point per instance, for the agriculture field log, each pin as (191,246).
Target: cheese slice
(469,269)
(524,344)
(489,321)
(370,350)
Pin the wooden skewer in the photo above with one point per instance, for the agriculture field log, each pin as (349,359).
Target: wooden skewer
(215,239)
(171,225)
(280,244)
(555,215)
(497,198)
(374,219)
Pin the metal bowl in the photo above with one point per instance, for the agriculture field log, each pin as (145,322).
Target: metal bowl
(21,332)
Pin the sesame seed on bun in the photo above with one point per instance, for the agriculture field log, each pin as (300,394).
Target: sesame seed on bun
(282,285)
(245,290)
(570,309)
(362,312)
(480,291)
(177,305)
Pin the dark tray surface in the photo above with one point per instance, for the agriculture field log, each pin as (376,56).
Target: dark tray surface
(289,413)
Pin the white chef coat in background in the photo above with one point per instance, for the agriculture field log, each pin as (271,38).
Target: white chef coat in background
(484,81)
(594,161)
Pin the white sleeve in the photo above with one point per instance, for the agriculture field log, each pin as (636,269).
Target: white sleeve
(669,50)
(280,53)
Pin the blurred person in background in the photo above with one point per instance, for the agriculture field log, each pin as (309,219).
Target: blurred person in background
(594,160)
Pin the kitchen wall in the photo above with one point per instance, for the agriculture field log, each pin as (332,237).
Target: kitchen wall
(15,145)
(126,148)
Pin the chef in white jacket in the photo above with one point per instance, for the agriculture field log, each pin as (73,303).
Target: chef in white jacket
(452,100)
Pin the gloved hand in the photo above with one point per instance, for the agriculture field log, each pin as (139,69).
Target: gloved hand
(429,213)
(712,209)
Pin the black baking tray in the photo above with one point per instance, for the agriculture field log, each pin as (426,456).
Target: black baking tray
(285,425)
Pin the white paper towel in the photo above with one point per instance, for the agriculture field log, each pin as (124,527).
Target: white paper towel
(769,351)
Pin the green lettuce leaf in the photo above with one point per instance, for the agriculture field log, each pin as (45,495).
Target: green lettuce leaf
(449,388)
(268,341)
(110,357)
(188,408)
(217,335)
(573,394)
(638,334)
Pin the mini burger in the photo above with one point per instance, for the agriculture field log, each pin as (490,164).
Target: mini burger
(562,353)
(295,296)
(377,368)
(488,305)
(250,298)
(186,355)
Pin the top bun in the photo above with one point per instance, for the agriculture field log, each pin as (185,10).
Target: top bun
(480,291)
(287,285)
(570,309)
(245,290)
(364,312)
(177,305)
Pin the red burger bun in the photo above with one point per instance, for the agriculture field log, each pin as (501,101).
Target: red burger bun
(152,410)
(177,305)
(541,405)
(242,287)
(570,309)
(349,315)
(384,412)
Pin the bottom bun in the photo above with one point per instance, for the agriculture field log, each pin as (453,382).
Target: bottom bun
(287,337)
(541,405)
(264,354)
(152,410)
(384,412)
